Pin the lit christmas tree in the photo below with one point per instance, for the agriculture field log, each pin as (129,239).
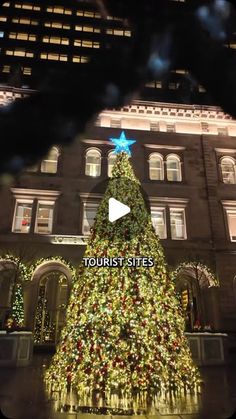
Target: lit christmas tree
(17,310)
(42,318)
(123,344)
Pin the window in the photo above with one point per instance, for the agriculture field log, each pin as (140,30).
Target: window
(222,131)
(57,25)
(3,18)
(115,123)
(173,167)
(80,59)
(44,218)
(86,43)
(26,6)
(6,69)
(227,165)
(60,10)
(177,224)
(27,71)
(90,210)
(93,163)
(170,127)
(54,57)
(118,32)
(87,29)
(154,126)
(22,36)
(49,164)
(111,162)
(159,221)
(25,21)
(20,53)
(231,219)
(22,218)
(56,40)
(87,13)
(156,170)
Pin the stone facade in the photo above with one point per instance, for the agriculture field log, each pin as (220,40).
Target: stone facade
(200,137)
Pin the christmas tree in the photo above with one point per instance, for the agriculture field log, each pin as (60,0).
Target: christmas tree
(123,343)
(17,310)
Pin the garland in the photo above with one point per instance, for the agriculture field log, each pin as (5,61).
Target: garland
(212,280)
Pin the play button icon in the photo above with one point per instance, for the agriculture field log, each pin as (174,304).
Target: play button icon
(117,210)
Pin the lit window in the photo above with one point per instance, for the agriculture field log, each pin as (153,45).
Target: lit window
(24,21)
(6,69)
(177,224)
(20,53)
(3,18)
(90,211)
(27,71)
(49,164)
(115,123)
(87,13)
(56,40)
(1,34)
(154,126)
(58,25)
(60,10)
(173,167)
(80,59)
(54,57)
(93,163)
(6,4)
(170,127)
(111,162)
(27,6)
(227,165)
(86,43)
(118,32)
(44,218)
(22,36)
(87,29)
(231,219)
(159,221)
(156,169)
(222,131)
(22,218)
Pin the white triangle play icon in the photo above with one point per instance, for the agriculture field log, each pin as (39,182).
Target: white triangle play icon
(117,210)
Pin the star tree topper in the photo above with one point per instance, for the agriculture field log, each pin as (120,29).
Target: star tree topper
(122,144)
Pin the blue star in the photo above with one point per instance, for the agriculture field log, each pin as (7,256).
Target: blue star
(122,144)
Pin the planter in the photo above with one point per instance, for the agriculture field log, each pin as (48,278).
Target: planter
(16,349)
(208,348)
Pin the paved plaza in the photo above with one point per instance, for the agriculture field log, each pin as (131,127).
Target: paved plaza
(22,395)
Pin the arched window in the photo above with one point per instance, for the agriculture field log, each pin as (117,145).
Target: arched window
(156,170)
(173,168)
(111,161)
(227,165)
(93,162)
(49,164)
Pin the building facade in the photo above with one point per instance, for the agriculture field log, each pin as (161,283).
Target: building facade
(185,160)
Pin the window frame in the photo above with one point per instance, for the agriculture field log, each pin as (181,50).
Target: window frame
(163,210)
(86,163)
(44,202)
(230,158)
(22,201)
(86,204)
(179,171)
(162,171)
(178,209)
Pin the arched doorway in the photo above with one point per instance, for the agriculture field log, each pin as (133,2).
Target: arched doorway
(189,293)
(53,294)
(198,292)
(51,283)
(7,279)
